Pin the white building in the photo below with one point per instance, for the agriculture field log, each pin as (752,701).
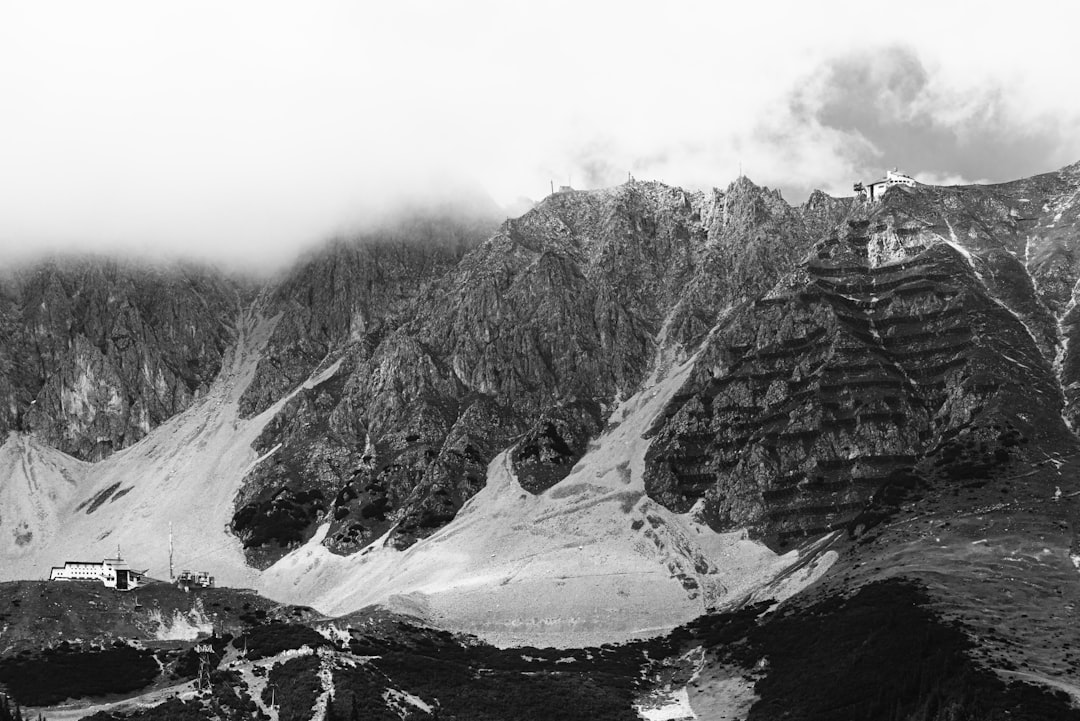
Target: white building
(112,572)
(875,190)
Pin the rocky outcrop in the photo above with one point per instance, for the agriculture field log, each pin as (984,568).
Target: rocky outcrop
(887,347)
(95,353)
(843,348)
(1037,220)
(569,300)
(352,293)
(536,331)
(557,441)
(822,213)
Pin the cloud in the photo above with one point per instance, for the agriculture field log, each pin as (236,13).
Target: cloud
(930,178)
(239,132)
(895,110)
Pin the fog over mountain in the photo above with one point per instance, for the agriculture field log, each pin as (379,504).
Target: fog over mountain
(244,133)
(526,362)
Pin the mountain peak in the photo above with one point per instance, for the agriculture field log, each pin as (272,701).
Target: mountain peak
(627,407)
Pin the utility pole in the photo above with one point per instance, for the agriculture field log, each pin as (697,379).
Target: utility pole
(204,650)
(171,578)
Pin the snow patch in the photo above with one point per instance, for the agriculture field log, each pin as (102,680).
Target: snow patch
(1063,350)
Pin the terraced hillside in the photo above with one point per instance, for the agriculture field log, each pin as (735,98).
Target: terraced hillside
(867,369)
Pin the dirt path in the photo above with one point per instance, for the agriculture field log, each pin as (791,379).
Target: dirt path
(1072,689)
(71,712)
(187,690)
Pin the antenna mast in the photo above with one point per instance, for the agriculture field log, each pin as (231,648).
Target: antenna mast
(170,553)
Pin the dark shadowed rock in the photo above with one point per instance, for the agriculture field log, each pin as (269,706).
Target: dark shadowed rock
(542,327)
(886,347)
(95,353)
(558,440)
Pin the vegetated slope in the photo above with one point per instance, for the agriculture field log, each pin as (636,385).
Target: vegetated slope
(537,331)
(79,640)
(95,353)
(881,651)
(36,615)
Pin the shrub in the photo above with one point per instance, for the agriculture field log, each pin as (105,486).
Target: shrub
(69,672)
(295,685)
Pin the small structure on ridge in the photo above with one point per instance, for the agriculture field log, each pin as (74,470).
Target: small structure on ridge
(875,190)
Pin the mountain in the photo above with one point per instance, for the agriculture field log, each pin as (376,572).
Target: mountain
(622,411)
(94,354)
(894,355)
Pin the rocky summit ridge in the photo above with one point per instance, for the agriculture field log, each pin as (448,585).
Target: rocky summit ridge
(734,396)
(537,331)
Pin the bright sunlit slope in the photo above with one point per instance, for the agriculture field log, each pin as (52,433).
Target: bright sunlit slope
(182,477)
(589,561)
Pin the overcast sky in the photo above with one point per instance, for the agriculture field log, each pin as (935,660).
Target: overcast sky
(243,131)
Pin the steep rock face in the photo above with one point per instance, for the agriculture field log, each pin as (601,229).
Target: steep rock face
(822,213)
(547,452)
(1025,236)
(352,292)
(343,306)
(1040,219)
(889,346)
(282,500)
(559,311)
(95,353)
(565,309)
(425,441)
(754,239)
(568,300)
